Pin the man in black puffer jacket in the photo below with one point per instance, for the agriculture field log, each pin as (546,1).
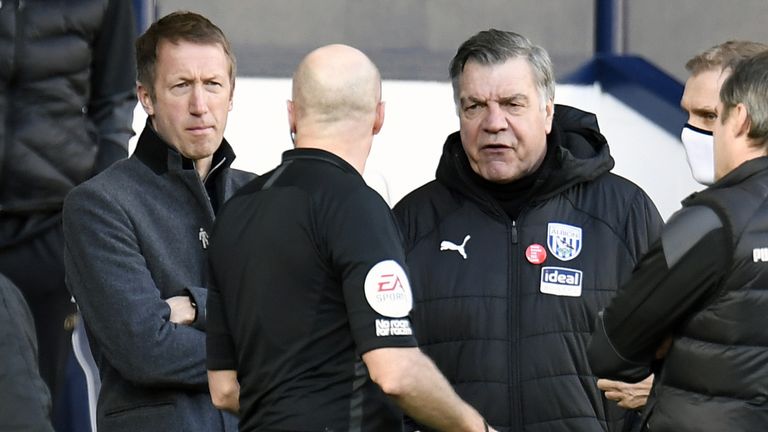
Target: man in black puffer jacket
(522,238)
(699,299)
(68,92)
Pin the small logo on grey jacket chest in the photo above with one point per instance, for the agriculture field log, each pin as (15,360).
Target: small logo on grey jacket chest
(203,237)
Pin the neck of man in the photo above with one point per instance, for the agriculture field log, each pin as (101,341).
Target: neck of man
(515,195)
(349,143)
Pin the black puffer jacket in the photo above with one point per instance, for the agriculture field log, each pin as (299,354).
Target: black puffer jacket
(714,376)
(515,353)
(68,76)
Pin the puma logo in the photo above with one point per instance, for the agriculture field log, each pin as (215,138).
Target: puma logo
(447,245)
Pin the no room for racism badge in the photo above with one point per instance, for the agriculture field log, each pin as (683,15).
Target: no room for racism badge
(536,254)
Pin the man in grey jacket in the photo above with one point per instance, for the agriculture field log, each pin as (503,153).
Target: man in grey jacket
(136,236)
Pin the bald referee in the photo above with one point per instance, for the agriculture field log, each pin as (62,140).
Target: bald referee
(308,325)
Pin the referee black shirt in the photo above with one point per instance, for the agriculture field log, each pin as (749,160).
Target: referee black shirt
(308,275)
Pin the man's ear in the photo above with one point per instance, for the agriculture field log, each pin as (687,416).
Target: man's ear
(145,99)
(742,122)
(232,95)
(291,116)
(549,114)
(378,122)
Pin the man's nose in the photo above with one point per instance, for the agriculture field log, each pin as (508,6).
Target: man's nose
(198,104)
(494,119)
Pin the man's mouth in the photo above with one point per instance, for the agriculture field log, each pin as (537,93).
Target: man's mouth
(199,130)
(496,147)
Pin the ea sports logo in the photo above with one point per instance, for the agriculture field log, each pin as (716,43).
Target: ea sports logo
(387,290)
(390,282)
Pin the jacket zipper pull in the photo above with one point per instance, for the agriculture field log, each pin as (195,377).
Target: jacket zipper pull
(514,232)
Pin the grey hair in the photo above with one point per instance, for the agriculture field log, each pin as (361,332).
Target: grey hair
(493,47)
(748,85)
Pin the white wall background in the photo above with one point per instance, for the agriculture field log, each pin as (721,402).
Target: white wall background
(419,115)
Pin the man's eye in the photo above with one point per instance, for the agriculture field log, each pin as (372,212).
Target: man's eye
(511,106)
(472,110)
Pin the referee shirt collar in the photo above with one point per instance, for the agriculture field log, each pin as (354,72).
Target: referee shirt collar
(321,155)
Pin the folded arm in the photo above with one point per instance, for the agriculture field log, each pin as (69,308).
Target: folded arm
(681,272)
(119,300)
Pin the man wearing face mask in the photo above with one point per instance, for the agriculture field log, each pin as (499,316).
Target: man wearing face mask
(708,70)
(699,295)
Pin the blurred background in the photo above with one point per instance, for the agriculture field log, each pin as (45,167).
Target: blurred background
(623,60)
(415,39)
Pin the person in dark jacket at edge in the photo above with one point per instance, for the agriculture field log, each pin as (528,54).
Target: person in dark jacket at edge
(25,402)
(68,93)
(708,70)
(698,301)
(519,242)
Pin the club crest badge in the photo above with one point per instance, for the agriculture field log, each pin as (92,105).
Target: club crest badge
(564,241)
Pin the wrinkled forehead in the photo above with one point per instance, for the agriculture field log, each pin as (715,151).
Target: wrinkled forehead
(507,79)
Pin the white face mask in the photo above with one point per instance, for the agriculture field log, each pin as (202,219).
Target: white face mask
(700,150)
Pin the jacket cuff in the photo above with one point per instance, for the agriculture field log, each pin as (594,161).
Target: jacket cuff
(607,362)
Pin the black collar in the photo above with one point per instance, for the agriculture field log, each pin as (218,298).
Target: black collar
(158,155)
(321,155)
(742,172)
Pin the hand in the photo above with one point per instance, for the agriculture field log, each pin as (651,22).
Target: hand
(182,311)
(628,396)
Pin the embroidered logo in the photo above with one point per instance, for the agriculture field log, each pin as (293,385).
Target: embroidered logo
(564,241)
(203,237)
(447,245)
